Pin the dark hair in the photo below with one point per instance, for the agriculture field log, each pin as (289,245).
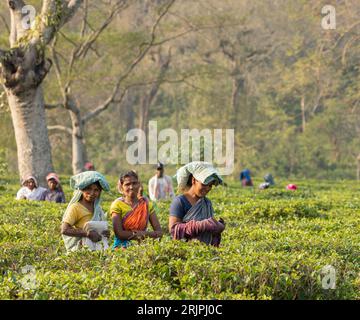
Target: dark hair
(97,183)
(189,182)
(159,166)
(129,174)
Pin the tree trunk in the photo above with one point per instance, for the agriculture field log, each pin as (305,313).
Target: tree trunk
(144,113)
(147,99)
(235,99)
(78,145)
(29,121)
(237,89)
(22,70)
(303,115)
(78,154)
(126,110)
(144,120)
(336,153)
(358,167)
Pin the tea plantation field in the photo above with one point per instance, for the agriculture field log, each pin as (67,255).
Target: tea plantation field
(275,246)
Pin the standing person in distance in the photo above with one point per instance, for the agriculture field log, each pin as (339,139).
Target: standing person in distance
(160,185)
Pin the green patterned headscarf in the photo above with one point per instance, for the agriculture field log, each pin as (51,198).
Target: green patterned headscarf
(84,179)
(80,182)
(201,171)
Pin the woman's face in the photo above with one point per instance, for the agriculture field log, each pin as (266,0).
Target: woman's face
(91,193)
(52,184)
(30,184)
(201,190)
(130,187)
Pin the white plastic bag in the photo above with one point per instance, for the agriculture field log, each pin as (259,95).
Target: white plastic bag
(99,227)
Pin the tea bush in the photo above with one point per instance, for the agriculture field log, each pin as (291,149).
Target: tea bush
(275,246)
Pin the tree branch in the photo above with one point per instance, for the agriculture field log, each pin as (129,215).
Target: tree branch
(54,106)
(137,60)
(54,14)
(146,50)
(68,39)
(70,104)
(179,35)
(116,8)
(339,40)
(101,108)
(57,65)
(152,81)
(157,22)
(164,65)
(16,29)
(83,27)
(81,50)
(347,46)
(60,128)
(104,106)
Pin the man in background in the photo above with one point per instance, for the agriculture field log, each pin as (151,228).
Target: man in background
(160,185)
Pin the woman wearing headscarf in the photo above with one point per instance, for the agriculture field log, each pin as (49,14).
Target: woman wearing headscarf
(191,213)
(84,222)
(54,193)
(245,178)
(31,190)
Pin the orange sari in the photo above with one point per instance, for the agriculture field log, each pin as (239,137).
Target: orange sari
(136,219)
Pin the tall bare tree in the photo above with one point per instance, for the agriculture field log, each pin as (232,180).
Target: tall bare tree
(163,63)
(23,69)
(81,116)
